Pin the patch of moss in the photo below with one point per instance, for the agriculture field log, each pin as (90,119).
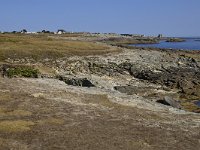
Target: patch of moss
(15,126)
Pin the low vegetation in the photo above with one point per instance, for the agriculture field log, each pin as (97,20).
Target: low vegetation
(39,47)
(15,126)
(4,112)
(22,71)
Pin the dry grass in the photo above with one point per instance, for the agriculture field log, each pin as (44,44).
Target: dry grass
(15,126)
(98,99)
(102,100)
(54,121)
(98,123)
(5,96)
(4,112)
(45,70)
(70,35)
(41,46)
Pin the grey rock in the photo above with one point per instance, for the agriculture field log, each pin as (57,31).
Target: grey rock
(172,102)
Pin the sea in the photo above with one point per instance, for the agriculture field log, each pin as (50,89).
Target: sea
(190,43)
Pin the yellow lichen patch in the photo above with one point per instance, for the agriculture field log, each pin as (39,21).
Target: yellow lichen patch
(6,113)
(53,121)
(15,126)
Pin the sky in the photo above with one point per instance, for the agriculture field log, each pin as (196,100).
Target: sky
(149,17)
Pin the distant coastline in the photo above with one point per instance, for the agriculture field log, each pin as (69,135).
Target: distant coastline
(189,43)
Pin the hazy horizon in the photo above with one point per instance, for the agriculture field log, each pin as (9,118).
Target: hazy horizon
(171,18)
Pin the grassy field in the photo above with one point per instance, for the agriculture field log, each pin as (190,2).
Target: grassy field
(42,46)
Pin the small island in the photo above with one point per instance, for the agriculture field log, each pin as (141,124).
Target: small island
(175,40)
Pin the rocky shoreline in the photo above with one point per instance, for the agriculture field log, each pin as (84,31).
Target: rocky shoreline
(126,98)
(175,71)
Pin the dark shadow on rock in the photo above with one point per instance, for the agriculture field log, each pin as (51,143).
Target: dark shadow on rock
(163,102)
(169,101)
(83,82)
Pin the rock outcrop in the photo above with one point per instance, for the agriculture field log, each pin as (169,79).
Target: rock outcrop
(74,81)
(187,80)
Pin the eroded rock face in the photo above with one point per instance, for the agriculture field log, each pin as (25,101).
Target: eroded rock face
(187,80)
(170,70)
(110,69)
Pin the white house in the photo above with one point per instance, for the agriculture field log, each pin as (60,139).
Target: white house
(61,31)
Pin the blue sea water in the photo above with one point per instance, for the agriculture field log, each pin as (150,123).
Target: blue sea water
(189,44)
(197,103)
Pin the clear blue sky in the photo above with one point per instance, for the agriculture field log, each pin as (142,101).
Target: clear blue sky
(149,17)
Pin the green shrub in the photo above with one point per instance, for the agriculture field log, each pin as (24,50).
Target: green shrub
(27,72)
